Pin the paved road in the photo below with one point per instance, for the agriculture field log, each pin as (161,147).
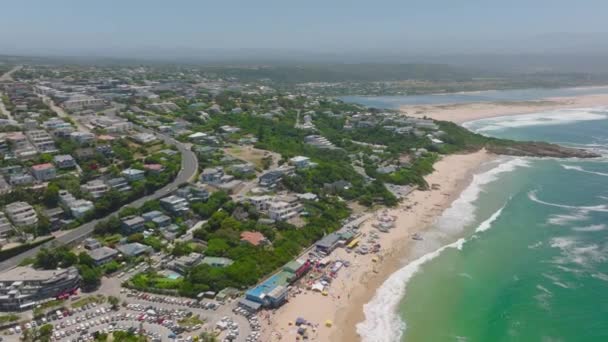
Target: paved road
(8,76)
(61,113)
(3,109)
(187,173)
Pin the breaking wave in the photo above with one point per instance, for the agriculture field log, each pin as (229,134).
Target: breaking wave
(382,323)
(580,169)
(598,208)
(556,117)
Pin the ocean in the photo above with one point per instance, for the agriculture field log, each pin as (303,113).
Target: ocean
(394,102)
(521,255)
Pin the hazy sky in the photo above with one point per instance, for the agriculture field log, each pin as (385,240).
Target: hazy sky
(128,26)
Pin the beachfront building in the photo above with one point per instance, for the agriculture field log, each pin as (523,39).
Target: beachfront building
(23,288)
(328,243)
(272,292)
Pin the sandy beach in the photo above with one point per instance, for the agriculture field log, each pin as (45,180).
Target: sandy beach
(460,113)
(355,285)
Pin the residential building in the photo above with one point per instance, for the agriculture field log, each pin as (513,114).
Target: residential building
(5,226)
(119,184)
(254,238)
(175,204)
(132,224)
(300,162)
(151,215)
(261,203)
(162,221)
(102,255)
(21,179)
(212,175)
(81,101)
(21,214)
(23,288)
(82,137)
(154,168)
(217,261)
(144,138)
(91,243)
(77,207)
(284,210)
(133,249)
(44,172)
(133,174)
(64,161)
(96,188)
(42,140)
(183,263)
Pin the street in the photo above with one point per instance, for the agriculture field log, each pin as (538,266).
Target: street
(187,172)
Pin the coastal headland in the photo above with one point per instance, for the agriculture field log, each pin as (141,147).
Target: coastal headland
(355,286)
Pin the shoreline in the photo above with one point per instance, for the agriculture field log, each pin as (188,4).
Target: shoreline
(461,113)
(354,286)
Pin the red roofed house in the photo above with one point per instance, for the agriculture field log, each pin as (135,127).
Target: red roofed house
(154,168)
(254,238)
(105,137)
(44,172)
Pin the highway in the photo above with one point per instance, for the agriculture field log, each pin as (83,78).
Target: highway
(8,76)
(187,173)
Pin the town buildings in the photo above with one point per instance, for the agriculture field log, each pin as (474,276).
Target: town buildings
(21,214)
(23,288)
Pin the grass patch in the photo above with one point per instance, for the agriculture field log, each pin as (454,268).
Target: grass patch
(44,307)
(191,321)
(98,299)
(8,318)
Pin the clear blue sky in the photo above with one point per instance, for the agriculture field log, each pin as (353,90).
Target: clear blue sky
(120,26)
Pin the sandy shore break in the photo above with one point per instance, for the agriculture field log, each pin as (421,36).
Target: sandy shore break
(460,113)
(355,285)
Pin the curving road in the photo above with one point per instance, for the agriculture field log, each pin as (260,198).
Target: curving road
(187,173)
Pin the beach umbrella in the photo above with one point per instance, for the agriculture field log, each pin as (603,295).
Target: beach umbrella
(329,323)
(300,321)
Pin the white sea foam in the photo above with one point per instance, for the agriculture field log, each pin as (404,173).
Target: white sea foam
(565,219)
(580,169)
(462,211)
(382,322)
(573,251)
(556,117)
(591,228)
(487,224)
(600,208)
(600,276)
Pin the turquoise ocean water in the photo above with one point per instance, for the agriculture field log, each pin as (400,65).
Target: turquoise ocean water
(522,255)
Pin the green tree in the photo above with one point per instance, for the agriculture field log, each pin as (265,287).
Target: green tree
(114,302)
(51,195)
